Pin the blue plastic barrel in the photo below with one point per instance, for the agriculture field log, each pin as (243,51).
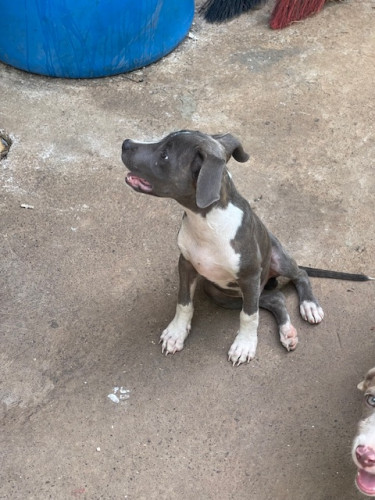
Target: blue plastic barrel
(90,38)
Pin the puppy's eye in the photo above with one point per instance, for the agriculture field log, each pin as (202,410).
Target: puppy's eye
(370,400)
(164,155)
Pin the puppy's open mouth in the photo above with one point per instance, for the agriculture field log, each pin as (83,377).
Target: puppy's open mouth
(138,183)
(366,482)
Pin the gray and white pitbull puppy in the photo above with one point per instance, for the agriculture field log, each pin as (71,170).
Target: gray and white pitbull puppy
(220,239)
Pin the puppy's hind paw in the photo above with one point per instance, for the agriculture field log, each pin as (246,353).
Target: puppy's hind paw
(311,311)
(288,336)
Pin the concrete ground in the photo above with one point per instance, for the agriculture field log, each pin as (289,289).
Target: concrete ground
(89,273)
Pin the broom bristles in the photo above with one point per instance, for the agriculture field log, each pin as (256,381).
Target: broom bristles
(218,11)
(289,11)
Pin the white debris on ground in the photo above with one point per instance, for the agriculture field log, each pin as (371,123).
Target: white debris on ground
(119,394)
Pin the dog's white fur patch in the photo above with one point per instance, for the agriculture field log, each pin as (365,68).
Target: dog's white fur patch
(173,337)
(206,243)
(245,344)
(311,312)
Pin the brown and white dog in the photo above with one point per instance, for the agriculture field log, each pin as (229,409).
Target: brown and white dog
(221,239)
(363,450)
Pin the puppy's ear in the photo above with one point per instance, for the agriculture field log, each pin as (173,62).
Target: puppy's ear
(361,386)
(209,170)
(232,147)
(368,381)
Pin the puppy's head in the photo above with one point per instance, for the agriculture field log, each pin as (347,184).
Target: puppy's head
(186,166)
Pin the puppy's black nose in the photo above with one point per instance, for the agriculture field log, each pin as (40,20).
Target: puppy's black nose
(127,144)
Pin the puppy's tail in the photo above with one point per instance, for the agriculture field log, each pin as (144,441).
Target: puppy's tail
(336,275)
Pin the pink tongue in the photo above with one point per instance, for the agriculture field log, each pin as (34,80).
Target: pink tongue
(138,182)
(366,482)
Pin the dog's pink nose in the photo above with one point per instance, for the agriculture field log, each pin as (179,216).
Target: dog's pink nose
(365,456)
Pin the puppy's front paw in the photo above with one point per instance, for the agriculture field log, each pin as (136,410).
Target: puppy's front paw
(288,336)
(172,339)
(311,311)
(242,350)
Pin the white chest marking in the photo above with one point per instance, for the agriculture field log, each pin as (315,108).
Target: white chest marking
(206,243)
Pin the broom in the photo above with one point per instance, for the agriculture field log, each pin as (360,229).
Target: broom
(286,12)
(218,11)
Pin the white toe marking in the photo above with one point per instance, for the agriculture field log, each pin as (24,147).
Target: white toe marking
(244,346)
(242,350)
(174,335)
(288,336)
(311,312)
